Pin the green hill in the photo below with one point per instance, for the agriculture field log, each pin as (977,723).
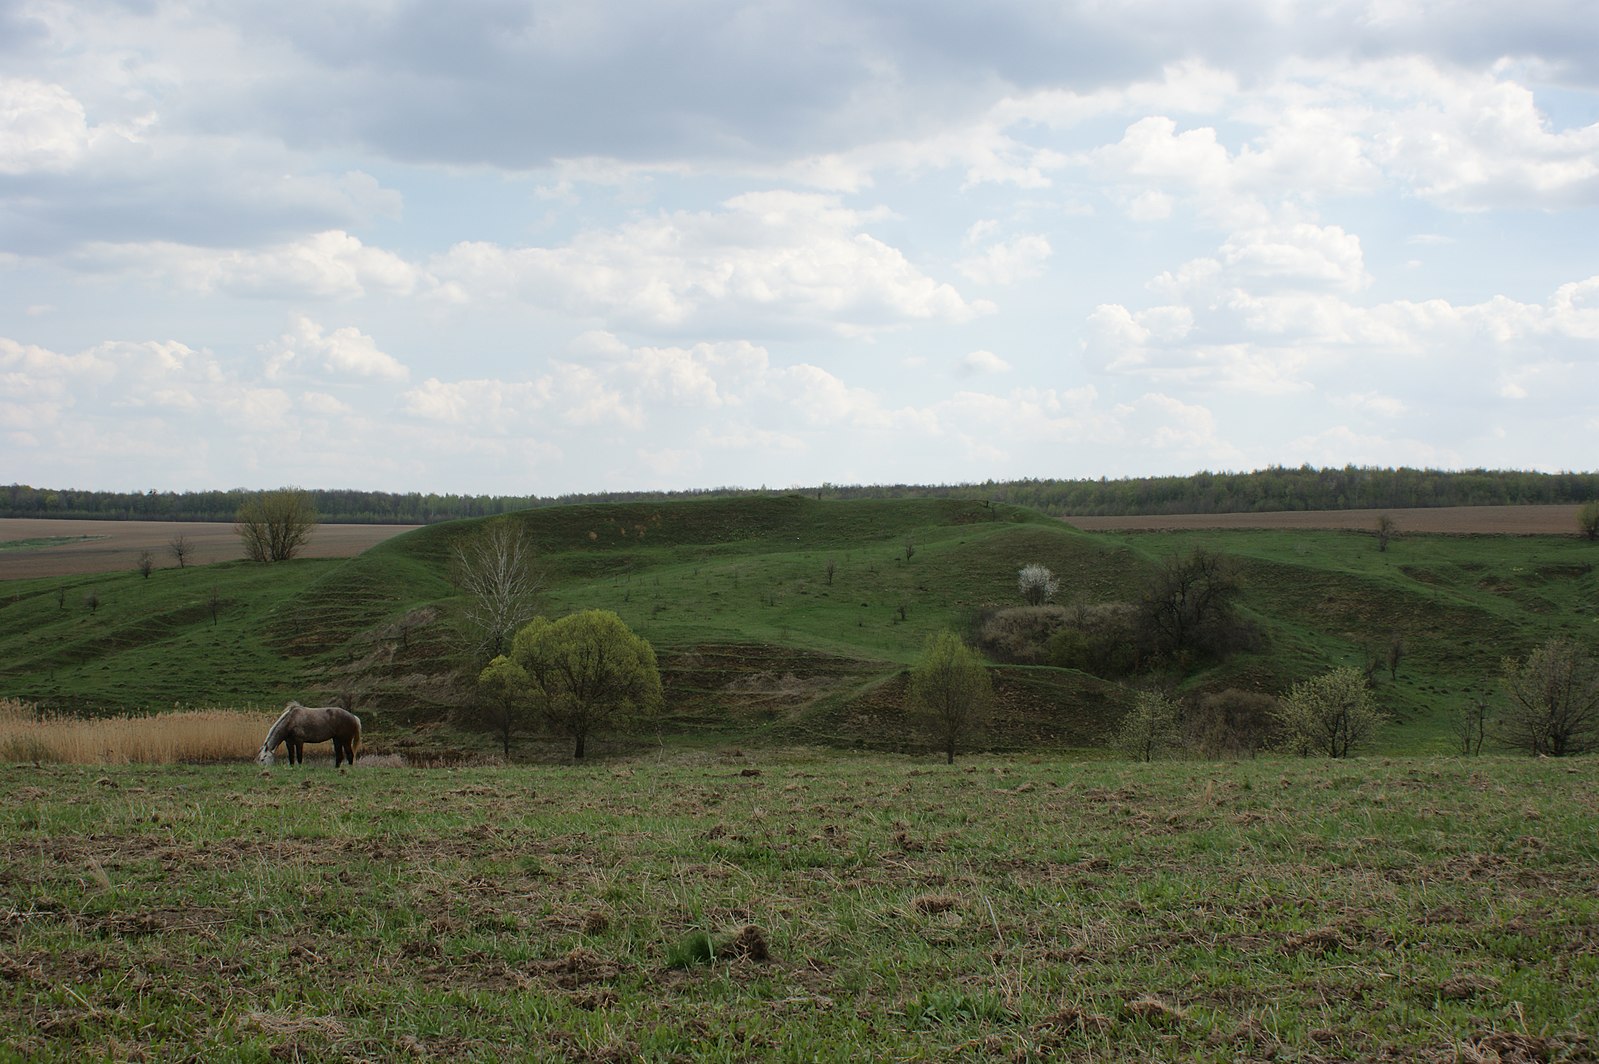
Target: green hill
(786,618)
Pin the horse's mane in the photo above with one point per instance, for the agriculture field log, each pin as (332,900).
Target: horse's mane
(275,733)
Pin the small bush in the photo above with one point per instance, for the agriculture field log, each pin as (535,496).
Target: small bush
(1232,724)
(1020,636)
(1101,640)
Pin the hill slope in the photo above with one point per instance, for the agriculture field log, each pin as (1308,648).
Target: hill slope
(794,618)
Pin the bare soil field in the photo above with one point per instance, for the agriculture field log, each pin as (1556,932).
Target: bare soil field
(32,547)
(1458,520)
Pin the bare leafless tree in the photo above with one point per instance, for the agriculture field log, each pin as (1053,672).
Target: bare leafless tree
(1471,727)
(497,571)
(145,563)
(180,548)
(275,524)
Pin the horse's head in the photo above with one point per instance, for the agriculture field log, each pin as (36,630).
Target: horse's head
(264,757)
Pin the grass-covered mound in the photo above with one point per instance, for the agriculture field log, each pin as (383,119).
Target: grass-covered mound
(792,618)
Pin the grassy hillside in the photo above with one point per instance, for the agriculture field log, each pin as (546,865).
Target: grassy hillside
(757,639)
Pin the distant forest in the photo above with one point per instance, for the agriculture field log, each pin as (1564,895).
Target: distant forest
(1265,490)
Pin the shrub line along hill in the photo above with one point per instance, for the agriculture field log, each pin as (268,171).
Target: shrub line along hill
(786,618)
(1274,489)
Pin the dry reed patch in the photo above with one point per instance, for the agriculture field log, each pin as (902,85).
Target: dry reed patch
(165,739)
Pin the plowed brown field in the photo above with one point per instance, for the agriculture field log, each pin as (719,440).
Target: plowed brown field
(1460,520)
(106,546)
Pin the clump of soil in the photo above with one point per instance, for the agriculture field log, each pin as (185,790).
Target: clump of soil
(1154,1011)
(750,942)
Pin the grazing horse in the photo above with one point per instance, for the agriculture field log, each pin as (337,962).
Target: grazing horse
(305,724)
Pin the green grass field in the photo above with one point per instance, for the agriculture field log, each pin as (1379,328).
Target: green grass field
(724,904)
(761,644)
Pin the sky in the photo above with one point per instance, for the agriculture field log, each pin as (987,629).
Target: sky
(554,246)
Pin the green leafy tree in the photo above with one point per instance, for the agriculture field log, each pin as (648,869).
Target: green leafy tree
(507,693)
(1554,701)
(1332,715)
(275,525)
(588,672)
(950,691)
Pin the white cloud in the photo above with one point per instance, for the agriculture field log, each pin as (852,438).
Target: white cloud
(983,362)
(1296,256)
(790,262)
(345,353)
(321,266)
(1008,261)
(42,127)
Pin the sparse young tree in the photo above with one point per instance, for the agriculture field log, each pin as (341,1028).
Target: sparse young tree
(1150,728)
(180,548)
(1037,584)
(496,569)
(1387,529)
(61,597)
(145,563)
(1332,715)
(1588,520)
(92,601)
(588,672)
(830,569)
(1396,654)
(214,603)
(275,524)
(507,691)
(1554,701)
(950,691)
(1471,727)
(910,550)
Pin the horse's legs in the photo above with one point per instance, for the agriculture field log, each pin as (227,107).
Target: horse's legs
(338,751)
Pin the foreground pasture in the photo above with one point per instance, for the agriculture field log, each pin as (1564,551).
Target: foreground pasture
(794,906)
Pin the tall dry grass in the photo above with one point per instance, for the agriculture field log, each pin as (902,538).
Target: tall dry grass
(164,739)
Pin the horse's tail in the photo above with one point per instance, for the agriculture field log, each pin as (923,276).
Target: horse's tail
(355,744)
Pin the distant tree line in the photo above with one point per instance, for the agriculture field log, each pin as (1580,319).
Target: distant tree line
(1266,490)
